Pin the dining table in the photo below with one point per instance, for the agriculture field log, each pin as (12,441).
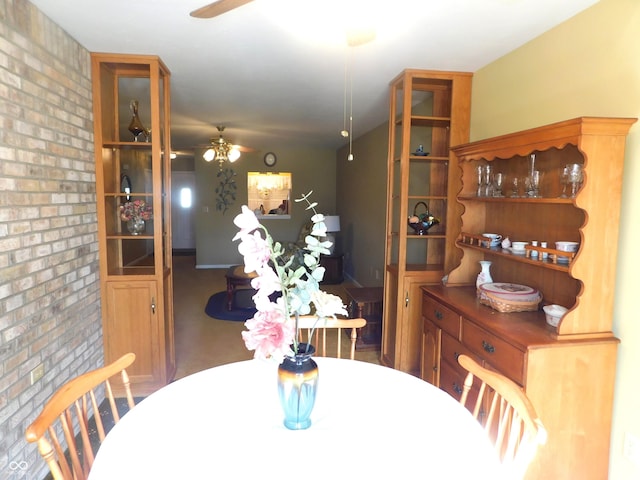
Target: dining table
(226,422)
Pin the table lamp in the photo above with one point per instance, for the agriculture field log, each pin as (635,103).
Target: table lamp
(332,222)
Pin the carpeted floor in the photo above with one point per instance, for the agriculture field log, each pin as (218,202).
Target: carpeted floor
(242,307)
(203,342)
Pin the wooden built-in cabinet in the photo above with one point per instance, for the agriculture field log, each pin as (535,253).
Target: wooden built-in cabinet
(135,270)
(428,109)
(568,372)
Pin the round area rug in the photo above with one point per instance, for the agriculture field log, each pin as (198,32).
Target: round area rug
(242,307)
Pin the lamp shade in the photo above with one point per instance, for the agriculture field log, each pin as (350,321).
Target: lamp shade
(332,222)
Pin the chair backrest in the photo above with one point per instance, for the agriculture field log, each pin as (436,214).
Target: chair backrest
(507,415)
(70,456)
(310,324)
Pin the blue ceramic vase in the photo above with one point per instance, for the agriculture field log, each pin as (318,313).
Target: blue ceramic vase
(297,387)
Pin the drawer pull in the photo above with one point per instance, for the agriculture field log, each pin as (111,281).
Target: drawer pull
(457,388)
(488,347)
(438,314)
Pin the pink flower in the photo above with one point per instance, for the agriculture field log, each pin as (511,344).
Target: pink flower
(255,251)
(267,282)
(246,221)
(269,333)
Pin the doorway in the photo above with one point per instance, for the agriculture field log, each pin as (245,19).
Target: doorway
(183,231)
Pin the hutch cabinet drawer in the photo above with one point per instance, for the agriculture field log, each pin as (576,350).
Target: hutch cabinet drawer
(452,382)
(503,356)
(451,348)
(441,316)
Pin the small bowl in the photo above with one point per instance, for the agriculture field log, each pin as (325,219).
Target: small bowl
(518,246)
(554,313)
(567,246)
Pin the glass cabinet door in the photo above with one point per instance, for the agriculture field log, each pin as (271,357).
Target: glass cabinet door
(133,172)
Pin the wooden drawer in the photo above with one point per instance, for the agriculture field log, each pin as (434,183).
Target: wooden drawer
(441,316)
(507,359)
(451,348)
(452,381)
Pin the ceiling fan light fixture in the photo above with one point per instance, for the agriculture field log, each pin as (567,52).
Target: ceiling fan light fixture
(209,155)
(221,150)
(234,154)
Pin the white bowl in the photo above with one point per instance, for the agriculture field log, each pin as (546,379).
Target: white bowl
(518,246)
(554,313)
(567,246)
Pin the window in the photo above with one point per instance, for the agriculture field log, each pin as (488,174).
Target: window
(186,198)
(269,193)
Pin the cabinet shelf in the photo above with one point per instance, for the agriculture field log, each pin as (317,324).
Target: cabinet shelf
(132,194)
(543,200)
(516,257)
(427,121)
(129,145)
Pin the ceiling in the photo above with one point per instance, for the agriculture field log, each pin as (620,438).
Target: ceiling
(272,81)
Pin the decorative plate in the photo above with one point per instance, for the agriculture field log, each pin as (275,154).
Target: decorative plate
(508,288)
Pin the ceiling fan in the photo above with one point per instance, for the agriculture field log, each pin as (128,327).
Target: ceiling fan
(222,150)
(218,8)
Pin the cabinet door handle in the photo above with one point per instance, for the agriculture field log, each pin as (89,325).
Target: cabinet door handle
(435,369)
(456,355)
(438,314)
(153,305)
(406,299)
(457,388)
(488,347)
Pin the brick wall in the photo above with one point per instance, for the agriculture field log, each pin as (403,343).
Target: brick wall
(49,289)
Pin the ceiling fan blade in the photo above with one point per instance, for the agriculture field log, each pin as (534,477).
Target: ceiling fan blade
(245,149)
(217,8)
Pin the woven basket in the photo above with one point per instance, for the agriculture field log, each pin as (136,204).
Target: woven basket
(508,306)
(427,220)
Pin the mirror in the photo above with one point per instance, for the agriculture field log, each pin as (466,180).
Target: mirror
(125,185)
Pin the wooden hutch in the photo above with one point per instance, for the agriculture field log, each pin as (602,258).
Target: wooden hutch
(568,371)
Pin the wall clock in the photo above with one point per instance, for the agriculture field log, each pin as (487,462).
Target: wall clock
(270,159)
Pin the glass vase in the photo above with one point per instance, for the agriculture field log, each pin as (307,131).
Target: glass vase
(135,126)
(136,226)
(297,387)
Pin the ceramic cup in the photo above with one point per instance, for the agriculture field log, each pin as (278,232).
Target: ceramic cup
(495,238)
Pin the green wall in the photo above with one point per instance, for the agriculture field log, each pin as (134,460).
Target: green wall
(362,203)
(587,66)
(312,169)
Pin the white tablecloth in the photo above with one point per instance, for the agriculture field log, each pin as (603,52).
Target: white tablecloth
(226,422)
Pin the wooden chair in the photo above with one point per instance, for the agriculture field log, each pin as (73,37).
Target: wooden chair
(69,406)
(507,415)
(310,323)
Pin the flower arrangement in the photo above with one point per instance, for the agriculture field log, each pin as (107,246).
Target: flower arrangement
(136,210)
(273,330)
